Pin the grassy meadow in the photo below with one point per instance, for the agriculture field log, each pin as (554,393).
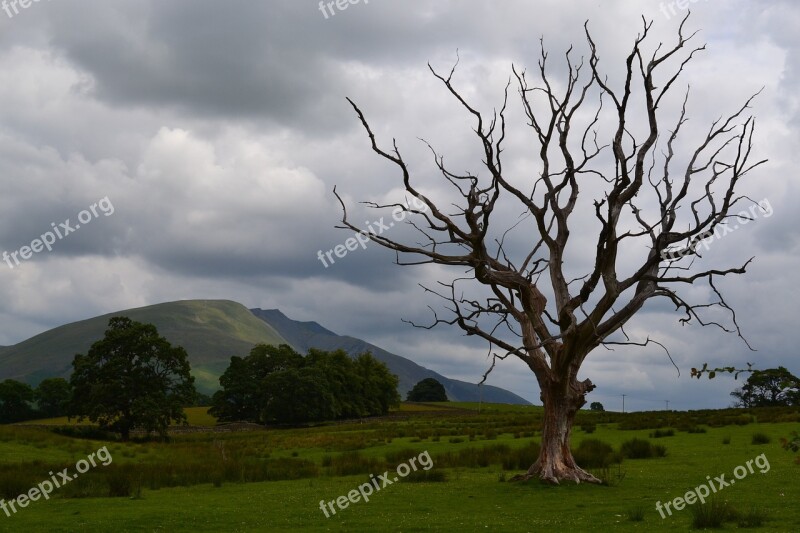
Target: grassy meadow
(274,479)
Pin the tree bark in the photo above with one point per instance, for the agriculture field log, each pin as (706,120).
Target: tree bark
(555,462)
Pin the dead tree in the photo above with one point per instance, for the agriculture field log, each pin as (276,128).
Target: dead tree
(550,322)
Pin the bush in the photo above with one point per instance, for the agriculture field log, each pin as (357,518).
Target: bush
(642,449)
(657,434)
(286,469)
(712,514)
(658,450)
(760,438)
(752,518)
(15,480)
(588,427)
(475,457)
(594,453)
(120,482)
(400,456)
(726,440)
(636,514)
(521,458)
(696,429)
(351,463)
(85,432)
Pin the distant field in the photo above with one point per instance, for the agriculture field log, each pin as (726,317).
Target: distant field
(274,480)
(196,416)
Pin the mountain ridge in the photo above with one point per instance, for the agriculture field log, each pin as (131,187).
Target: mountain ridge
(212,331)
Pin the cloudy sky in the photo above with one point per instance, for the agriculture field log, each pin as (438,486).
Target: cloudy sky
(216,132)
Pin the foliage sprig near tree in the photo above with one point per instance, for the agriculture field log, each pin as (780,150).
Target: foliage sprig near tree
(647,207)
(132,379)
(277,384)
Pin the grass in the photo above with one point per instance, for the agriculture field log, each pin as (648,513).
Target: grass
(196,493)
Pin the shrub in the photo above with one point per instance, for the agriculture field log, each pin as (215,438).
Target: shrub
(593,453)
(521,458)
(475,457)
(755,517)
(455,440)
(351,463)
(286,469)
(726,440)
(636,514)
(696,429)
(85,432)
(400,456)
(712,514)
(760,438)
(15,480)
(120,482)
(658,450)
(588,427)
(642,449)
(657,434)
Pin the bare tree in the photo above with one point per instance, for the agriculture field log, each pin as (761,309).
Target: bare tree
(549,322)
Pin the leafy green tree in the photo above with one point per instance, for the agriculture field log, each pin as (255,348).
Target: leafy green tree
(596,406)
(242,393)
(132,378)
(427,390)
(342,381)
(15,400)
(377,385)
(771,387)
(298,395)
(276,384)
(53,396)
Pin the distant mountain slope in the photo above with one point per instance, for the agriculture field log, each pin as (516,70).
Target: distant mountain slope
(305,335)
(211,331)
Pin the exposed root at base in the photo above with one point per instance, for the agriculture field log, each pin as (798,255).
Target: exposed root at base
(576,475)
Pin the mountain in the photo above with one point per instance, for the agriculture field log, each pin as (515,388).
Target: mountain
(305,335)
(212,331)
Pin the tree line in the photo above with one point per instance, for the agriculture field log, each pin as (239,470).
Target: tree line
(278,385)
(134,379)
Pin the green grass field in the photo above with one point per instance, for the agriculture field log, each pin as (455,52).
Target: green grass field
(215,481)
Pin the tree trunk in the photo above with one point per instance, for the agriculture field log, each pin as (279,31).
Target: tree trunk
(555,462)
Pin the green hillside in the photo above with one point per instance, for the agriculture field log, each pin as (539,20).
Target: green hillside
(211,331)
